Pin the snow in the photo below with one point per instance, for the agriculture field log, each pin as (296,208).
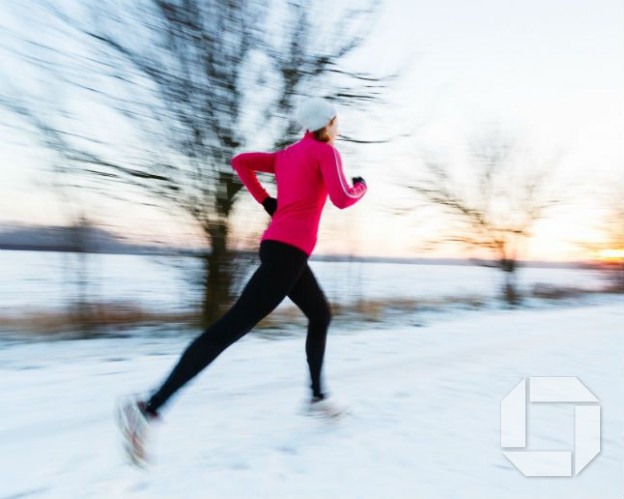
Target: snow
(425,423)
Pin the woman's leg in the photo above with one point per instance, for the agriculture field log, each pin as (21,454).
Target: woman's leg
(280,269)
(309,297)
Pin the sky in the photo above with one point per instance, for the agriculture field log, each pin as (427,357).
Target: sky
(550,73)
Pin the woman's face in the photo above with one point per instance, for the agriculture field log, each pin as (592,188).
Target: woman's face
(332,129)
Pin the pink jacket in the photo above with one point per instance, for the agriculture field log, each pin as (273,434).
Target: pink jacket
(306,172)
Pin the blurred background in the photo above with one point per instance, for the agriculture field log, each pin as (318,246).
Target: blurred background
(489,134)
(488,249)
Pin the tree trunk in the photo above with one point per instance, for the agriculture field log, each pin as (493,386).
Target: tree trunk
(219,275)
(510,291)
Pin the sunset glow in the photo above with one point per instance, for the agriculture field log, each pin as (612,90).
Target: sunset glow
(611,254)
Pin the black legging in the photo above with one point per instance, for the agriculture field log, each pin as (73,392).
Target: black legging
(283,271)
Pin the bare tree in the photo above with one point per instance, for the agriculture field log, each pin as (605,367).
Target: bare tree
(185,75)
(76,236)
(492,207)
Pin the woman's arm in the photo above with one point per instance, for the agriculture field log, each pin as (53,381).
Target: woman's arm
(339,190)
(247,164)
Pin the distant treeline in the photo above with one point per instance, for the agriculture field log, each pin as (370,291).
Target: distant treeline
(98,240)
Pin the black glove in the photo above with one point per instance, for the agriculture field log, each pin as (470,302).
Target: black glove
(270,205)
(358,180)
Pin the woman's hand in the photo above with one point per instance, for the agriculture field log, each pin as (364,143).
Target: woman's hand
(270,205)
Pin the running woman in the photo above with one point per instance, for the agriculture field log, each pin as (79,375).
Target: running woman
(306,173)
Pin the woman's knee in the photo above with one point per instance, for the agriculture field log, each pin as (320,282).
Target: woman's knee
(321,318)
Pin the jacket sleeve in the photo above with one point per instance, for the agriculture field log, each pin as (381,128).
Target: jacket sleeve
(340,192)
(247,164)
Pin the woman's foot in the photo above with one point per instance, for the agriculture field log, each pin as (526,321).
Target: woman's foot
(323,407)
(134,421)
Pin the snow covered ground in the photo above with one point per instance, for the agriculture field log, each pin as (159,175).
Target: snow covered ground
(425,423)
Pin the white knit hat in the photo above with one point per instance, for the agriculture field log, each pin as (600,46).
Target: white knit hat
(315,113)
